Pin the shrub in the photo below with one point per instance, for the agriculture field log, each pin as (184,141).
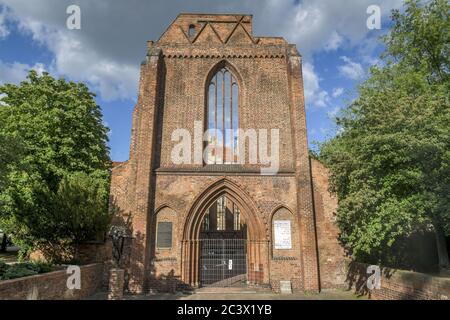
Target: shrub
(3,267)
(24,269)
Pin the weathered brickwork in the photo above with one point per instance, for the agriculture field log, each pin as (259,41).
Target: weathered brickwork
(53,285)
(150,188)
(331,254)
(399,284)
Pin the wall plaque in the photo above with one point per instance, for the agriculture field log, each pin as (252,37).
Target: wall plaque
(282,230)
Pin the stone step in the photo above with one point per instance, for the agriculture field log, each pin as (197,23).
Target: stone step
(231,290)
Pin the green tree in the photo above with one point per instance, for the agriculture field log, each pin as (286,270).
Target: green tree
(390,162)
(10,151)
(59,126)
(84,198)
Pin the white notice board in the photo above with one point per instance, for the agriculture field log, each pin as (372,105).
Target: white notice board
(282,230)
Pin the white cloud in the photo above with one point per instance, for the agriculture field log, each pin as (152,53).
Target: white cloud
(337,92)
(334,42)
(4,32)
(371,61)
(16,72)
(333,113)
(114,80)
(110,132)
(324,130)
(314,24)
(108,49)
(314,95)
(74,58)
(351,69)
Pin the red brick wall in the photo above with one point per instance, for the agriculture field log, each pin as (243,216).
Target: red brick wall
(399,284)
(176,193)
(331,254)
(95,252)
(286,259)
(172,95)
(53,285)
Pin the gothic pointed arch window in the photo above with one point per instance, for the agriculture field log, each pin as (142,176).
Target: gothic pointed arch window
(222,215)
(222,118)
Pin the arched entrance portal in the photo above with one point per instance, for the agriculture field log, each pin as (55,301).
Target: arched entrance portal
(223,241)
(223,245)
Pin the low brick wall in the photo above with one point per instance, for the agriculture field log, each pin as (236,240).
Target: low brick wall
(399,284)
(52,285)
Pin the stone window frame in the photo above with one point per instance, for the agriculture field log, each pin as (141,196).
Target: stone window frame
(285,254)
(224,209)
(235,111)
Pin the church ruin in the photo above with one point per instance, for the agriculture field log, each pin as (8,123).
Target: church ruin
(221,222)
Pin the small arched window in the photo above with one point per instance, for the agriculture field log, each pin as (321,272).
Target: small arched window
(222,215)
(191,31)
(222,118)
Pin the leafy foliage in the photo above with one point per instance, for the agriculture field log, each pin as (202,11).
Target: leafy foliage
(56,191)
(83,197)
(390,163)
(10,150)
(25,269)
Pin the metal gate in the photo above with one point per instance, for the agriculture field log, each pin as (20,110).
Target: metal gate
(223,262)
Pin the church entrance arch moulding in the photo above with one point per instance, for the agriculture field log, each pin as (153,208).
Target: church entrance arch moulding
(248,251)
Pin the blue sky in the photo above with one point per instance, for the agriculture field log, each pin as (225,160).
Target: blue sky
(332,36)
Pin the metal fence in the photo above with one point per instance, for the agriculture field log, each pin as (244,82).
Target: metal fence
(231,262)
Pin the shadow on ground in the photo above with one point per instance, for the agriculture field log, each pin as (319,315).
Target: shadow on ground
(248,295)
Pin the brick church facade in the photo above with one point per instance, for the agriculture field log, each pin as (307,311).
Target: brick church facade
(219,222)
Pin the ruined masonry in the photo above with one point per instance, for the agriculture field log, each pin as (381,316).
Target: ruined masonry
(219,223)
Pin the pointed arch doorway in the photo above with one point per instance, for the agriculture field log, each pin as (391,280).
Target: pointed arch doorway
(223,244)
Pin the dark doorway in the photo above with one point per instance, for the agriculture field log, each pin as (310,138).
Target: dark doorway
(223,262)
(223,245)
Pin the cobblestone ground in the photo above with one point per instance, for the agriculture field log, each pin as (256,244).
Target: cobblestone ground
(243,295)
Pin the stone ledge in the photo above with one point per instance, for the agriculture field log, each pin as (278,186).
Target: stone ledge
(219,170)
(171,259)
(284,258)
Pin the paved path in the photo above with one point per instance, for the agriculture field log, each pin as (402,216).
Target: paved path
(242,295)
